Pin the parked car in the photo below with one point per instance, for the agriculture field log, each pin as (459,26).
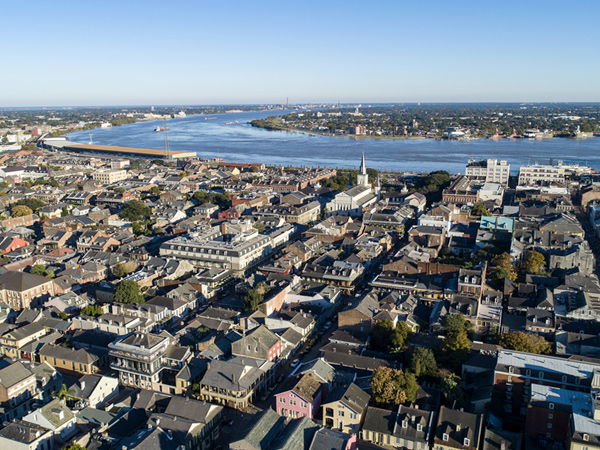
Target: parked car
(295,363)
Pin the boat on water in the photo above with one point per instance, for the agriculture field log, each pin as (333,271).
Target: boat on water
(231,123)
(209,118)
(160,129)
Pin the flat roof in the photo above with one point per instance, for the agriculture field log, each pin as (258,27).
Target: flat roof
(128,150)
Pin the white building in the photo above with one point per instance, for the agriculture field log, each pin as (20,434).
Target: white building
(492,170)
(110,176)
(352,201)
(541,174)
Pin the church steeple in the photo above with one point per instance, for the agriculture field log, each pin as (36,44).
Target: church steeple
(362,179)
(363,166)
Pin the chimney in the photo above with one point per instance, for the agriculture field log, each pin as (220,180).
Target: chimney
(82,384)
(233,378)
(503,445)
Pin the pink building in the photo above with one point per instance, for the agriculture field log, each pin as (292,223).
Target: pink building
(303,400)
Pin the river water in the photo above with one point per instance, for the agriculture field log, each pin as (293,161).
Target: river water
(243,143)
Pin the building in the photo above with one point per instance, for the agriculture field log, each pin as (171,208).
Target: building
(20,435)
(516,372)
(490,170)
(233,383)
(69,360)
(17,384)
(146,360)
(458,430)
(216,248)
(261,343)
(303,400)
(541,174)
(406,428)
(19,289)
(565,417)
(352,201)
(344,408)
(110,176)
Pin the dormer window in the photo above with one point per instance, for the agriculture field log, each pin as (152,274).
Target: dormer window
(467,442)
(551,406)
(445,437)
(404,424)
(419,427)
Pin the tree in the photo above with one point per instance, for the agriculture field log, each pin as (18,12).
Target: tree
(525,342)
(123,269)
(65,212)
(38,269)
(135,210)
(455,322)
(20,211)
(422,362)
(260,227)
(534,262)
(33,203)
(451,389)
(63,315)
(155,190)
(386,337)
(252,299)
(128,291)
(455,348)
(92,310)
(63,393)
(503,267)
(479,210)
(393,386)
(75,447)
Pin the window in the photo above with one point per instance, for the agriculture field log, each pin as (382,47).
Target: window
(541,374)
(549,425)
(467,442)
(586,437)
(281,400)
(340,413)
(551,406)
(445,437)
(550,416)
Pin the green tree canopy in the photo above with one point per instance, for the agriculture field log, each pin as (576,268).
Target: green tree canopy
(502,267)
(38,269)
(123,269)
(525,342)
(451,389)
(387,338)
(20,211)
(393,386)
(455,348)
(252,299)
(135,210)
(92,310)
(534,262)
(128,291)
(422,362)
(33,203)
(479,210)
(260,227)
(455,322)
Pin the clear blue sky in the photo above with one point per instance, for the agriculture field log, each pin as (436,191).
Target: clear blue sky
(194,52)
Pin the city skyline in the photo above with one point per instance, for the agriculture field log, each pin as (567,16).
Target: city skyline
(207,53)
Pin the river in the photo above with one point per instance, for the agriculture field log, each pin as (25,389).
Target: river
(243,143)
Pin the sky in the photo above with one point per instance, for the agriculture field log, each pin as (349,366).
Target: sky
(129,52)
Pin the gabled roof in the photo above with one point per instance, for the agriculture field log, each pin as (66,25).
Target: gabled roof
(21,281)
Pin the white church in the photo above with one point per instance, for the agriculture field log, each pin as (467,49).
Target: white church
(352,201)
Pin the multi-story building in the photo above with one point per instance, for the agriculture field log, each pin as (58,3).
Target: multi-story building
(569,418)
(517,372)
(261,343)
(458,430)
(405,428)
(146,360)
(19,289)
(344,408)
(110,176)
(214,248)
(302,400)
(541,174)
(491,170)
